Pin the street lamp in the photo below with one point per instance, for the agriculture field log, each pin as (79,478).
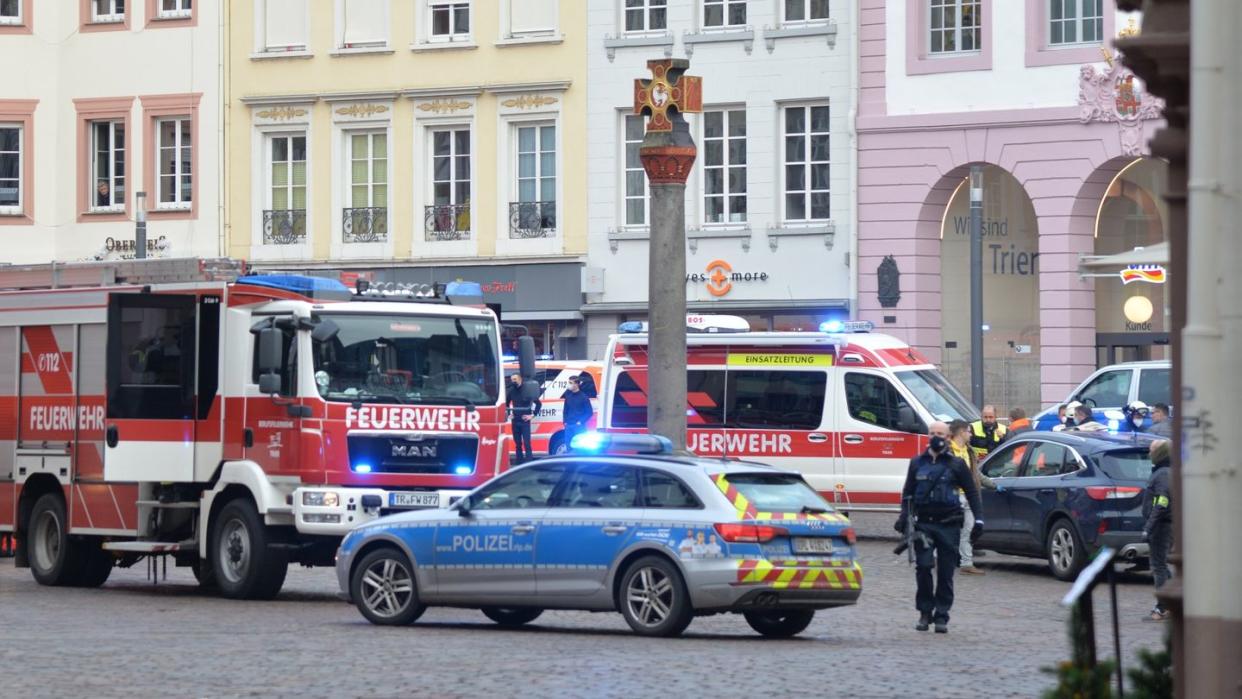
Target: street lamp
(140,227)
(976,284)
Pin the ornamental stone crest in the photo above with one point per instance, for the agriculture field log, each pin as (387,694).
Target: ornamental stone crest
(888,283)
(443,106)
(528,101)
(285,113)
(362,111)
(1115,95)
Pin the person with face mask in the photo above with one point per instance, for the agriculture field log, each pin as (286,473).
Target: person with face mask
(1136,415)
(930,496)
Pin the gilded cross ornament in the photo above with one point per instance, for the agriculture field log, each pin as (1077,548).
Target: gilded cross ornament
(668,91)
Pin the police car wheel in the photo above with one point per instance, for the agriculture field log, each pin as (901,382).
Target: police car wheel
(1066,553)
(384,589)
(512,616)
(780,623)
(653,598)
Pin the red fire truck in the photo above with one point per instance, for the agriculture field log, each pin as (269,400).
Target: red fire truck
(237,423)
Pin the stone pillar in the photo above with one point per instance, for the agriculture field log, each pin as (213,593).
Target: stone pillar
(667,154)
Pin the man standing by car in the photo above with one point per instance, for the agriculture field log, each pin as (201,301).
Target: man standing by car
(930,496)
(1158,509)
(987,433)
(524,405)
(1018,422)
(1160,425)
(576,412)
(959,445)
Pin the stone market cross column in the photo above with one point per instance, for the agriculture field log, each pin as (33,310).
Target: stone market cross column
(667,154)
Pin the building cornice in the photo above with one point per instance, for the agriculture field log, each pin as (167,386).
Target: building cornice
(462,91)
(510,88)
(265,100)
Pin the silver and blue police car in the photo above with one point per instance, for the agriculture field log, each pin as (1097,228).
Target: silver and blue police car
(630,528)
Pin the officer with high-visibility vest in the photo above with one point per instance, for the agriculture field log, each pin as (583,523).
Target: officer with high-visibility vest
(987,433)
(1158,513)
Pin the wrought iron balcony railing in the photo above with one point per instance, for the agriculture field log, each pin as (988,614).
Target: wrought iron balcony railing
(532,219)
(365,224)
(284,226)
(447,222)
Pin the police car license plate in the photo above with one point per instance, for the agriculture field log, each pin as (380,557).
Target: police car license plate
(413,499)
(815,545)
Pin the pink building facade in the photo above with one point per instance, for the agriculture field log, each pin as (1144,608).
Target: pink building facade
(1056,122)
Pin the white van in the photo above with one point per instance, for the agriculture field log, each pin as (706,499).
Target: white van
(846,410)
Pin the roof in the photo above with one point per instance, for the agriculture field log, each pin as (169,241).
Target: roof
(1090,442)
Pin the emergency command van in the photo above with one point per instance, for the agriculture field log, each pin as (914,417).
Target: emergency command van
(178,407)
(846,408)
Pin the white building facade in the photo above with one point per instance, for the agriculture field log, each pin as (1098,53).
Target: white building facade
(769,206)
(105,99)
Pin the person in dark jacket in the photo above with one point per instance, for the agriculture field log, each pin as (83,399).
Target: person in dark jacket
(524,405)
(930,496)
(577,411)
(1158,511)
(1160,425)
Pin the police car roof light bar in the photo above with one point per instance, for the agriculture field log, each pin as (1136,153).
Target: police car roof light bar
(612,443)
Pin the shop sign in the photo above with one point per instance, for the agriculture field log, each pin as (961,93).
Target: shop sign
(126,249)
(719,277)
(1150,274)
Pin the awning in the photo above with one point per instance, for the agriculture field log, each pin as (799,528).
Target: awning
(1157,254)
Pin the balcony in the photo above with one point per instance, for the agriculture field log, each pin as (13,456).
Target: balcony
(284,227)
(447,222)
(532,219)
(365,225)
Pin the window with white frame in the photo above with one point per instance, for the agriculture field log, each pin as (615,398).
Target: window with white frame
(10,11)
(799,11)
(284,25)
(646,15)
(449,20)
(724,166)
(1075,22)
(533,215)
(284,211)
(11,169)
(107,176)
(529,17)
(107,10)
(174,149)
(366,206)
(364,23)
(176,8)
(448,216)
(806,163)
(955,26)
(634,174)
(724,13)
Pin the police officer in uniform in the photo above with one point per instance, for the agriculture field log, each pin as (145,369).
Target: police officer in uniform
(930,496)
(524,405)
(987,433)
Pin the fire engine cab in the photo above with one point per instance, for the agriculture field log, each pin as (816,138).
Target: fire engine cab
(237,423)
(845,407)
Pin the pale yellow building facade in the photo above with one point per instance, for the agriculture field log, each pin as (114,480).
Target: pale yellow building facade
(414,140)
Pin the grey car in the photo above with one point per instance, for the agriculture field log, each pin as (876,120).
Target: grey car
(659,538)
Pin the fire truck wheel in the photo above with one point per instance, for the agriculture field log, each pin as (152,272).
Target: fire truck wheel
(244,566)
(384,589)
(96,564)
(512,616)
(54,558)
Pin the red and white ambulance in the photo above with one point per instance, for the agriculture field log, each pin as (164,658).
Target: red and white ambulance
(846,408)
(237,423)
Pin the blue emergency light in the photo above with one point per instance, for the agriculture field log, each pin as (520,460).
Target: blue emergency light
(846,326)
(463,470)
(461,289)
(362,468)
(609,443)
(317,288)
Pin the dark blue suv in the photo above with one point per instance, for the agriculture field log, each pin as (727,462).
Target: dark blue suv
(1064,495)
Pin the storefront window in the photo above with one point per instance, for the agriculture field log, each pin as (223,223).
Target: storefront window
(1010,292)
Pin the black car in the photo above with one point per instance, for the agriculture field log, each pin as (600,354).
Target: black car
(1064,495)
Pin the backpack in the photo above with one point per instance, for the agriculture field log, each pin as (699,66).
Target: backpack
(934,487)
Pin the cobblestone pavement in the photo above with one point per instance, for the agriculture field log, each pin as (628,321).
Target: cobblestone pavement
(130,638)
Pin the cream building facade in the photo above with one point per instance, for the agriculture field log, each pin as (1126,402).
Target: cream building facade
(412,141)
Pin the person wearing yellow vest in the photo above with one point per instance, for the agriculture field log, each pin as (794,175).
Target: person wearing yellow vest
(959,446)
(987,433)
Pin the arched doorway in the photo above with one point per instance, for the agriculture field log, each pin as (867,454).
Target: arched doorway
(1131,317)
(1011,344)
